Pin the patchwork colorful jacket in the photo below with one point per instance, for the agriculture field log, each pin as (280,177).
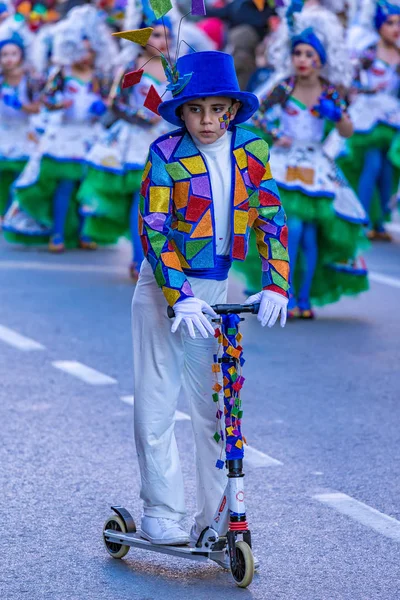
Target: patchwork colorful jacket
(177,215)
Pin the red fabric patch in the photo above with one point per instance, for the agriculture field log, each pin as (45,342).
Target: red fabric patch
(170,247)
(238,247)
(256,171)
(144,187)
(268,199)
(284,236)
(196,207)
(244,206)
(132,78)
(153,100)
(145,244)
(276,288)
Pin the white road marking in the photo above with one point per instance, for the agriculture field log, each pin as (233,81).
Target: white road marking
(55,266)
(385,279)
(17,340)
(258,459)
(364,514)
(179,416)
(393,227)
(83,372)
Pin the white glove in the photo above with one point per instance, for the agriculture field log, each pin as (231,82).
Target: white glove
(271,304)
(190,310)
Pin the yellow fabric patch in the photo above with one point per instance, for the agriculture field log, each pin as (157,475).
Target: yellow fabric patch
(239,444)
(186,227)
(181,193)
(194,164)
(263,250)
(229,430)
(227,393)
(146,170)
(241,158)
(241,220)
(159,199)
(239,338)
(282,267)
(138,36)
(260,236)
(171,295)
(170,259)
(204,228)
(267,175)
(216,368)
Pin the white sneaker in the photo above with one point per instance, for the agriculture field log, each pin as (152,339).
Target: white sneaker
(164,532)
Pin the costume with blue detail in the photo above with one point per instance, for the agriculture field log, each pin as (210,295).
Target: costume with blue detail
(325,218)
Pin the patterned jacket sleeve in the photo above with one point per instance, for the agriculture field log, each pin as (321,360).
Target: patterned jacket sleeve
(53,90)
(268,219)
(155,220)
(267,116)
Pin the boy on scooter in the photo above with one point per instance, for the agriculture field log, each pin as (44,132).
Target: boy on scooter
(204,186)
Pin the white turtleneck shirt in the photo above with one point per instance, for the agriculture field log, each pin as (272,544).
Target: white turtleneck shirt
(218,159)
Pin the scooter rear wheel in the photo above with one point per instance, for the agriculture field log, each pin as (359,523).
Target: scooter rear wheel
(116,523)
(244,571)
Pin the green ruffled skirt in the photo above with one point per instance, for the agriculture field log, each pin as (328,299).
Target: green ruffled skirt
(339,242)
(106,200)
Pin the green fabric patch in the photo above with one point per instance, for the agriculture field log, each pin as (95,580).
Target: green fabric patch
(157,241)
(159,275)
(141,203)
(277,250)
(279,280)
(193,248)
(254,200)
(177,171)
(268,211)
(259,149)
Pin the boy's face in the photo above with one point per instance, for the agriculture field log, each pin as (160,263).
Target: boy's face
(10,57)
(202,117)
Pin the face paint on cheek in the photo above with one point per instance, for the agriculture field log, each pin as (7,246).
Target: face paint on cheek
(315,64)
(225,119)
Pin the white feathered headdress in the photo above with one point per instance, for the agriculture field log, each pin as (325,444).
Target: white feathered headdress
(329,30)
(83,22)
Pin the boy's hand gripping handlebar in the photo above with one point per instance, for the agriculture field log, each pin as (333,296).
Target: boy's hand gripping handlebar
(226,309)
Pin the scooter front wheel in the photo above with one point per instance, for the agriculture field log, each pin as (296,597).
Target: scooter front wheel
(244,570)
(116,523)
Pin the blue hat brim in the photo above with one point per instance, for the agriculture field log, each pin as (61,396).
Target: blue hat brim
(250,105)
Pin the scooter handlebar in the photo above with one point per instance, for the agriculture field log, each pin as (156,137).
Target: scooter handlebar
(227,309)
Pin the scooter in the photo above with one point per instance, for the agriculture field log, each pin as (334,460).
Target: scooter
(228,531)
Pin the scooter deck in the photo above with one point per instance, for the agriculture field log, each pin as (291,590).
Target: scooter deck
(134,540)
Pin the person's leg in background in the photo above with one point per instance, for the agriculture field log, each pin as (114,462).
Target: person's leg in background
(61,202)
(309,246)
(385,187)
(295,229)
(369,178)
(137,250)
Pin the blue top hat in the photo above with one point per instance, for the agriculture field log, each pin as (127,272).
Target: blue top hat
(203,74)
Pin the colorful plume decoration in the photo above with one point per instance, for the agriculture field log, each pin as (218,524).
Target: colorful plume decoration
(132,78)
(153,100)
(160,7)
(176,81)
(138,36)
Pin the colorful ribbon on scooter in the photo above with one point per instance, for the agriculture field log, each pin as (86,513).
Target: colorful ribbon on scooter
(228,362)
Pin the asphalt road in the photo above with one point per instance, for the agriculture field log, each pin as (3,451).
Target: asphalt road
(322,414)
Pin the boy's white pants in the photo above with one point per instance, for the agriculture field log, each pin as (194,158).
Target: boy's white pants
(165,363)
